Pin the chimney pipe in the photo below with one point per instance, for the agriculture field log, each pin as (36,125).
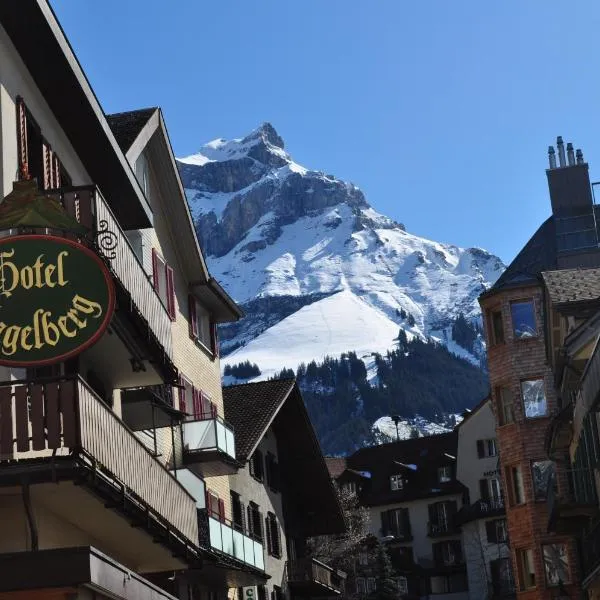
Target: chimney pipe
(570,155)
(552,157)
(561,151)
(579,155)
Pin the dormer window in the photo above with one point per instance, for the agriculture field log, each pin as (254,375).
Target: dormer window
(445,474)
(396,482)
(141,173)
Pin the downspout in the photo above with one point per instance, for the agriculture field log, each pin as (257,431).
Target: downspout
(30,518)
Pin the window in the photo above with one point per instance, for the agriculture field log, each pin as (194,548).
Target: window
(534,398)
(523,319)
(445,474)
(396,482)
(162,277)
(349,487)
(490,490)
(496,531)
(441,516)
(517,491)
(556,563)
(141,173)
(273,535)
(505,413)
(261,592)
(237,512)
(526,568)
(502,577)
(201,328)
(447,553)
(361,585)
(215,506)
(254,521)
(542,472)
(496,327)
(272,469)
(448,584)
(402,585)
(195,403)
(396,523)
(371,585)
(487,448)
(363,559)
(256,465)
(277,593)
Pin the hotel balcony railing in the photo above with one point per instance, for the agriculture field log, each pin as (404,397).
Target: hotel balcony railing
(442,529)
(65,418)
(314,577)
(480,509)
(211,443)
(88,206)
(220,535)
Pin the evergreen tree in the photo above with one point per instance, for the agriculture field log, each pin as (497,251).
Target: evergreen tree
(386,588)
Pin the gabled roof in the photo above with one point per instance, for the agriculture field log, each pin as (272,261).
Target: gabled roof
(335,466)
(42,45)
(418,460)
(538,254)
(311,501)
(572,285)
(251,408)
(126,126)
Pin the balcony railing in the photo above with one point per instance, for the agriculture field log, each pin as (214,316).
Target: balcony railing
(65,417)
(220,535)
(88,206)
(207,435)
(480,509)
(442,529)
(315,576)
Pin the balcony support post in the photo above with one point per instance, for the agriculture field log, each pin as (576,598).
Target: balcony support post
(33,532)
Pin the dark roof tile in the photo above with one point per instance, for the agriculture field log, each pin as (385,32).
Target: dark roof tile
(126,126)
(572,285)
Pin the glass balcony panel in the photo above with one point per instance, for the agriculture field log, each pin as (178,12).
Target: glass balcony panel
(238,545)
(227,535)
(259,559)
(230,440)
(249,550)
(214,528)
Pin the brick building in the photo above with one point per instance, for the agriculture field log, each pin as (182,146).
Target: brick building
(519,330)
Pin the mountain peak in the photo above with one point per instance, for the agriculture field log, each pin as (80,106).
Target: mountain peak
(267,133)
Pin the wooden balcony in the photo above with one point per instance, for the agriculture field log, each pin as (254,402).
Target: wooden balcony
(60,429)
(310,577)
(88,206)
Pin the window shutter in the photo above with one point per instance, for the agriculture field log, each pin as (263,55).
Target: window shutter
(22,139)
(385,522)
(432,514)
(457,548)
(490,528)
(214,338)
(209,506)
(56,167)
(251,465)
(406,523)
(213,409)
(197,399)
(249,520)
(277,535)
(268,532)
(437,552)
(221,510)
(495,570)
(193,316)
(48,164)
(181,392)
(480,449)
(484,489)
(452,510)
(243,517)
(171,293)
(155,277)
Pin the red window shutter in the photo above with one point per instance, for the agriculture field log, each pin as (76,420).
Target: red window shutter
(209,502)
(214,338)
(22,139)
(155,277)
(193,317)
(182,406)
(170,293)
(197,394)
(213,410)
(222,510)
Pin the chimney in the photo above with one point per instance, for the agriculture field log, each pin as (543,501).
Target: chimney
(570,154)
(569,184)
(561,151)
(552,157)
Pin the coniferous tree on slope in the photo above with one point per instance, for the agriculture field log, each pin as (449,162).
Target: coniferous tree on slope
(386,588)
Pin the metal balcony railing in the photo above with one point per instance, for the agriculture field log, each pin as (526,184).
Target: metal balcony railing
(220,534)
(312,571)
(442,528)
(88,206)
(63,417)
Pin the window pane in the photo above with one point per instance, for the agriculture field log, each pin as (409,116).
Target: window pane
(523,319)
(543,475)
(534,398)
(517,484)
(497,328)
(526,568)
(556,564)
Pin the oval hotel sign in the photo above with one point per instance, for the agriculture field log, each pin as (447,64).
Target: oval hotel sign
(56,299)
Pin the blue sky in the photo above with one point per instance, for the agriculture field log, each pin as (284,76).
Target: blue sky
(441,111)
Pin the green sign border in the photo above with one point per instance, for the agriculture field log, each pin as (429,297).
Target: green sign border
(107,315)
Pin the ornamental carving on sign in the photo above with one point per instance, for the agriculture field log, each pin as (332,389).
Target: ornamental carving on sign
(56,299)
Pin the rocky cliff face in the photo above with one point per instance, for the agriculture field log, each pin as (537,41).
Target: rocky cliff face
(318,269)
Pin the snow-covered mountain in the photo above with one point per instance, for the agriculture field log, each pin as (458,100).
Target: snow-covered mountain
(317,269)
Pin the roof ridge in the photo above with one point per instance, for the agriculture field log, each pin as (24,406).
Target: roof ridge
(286,379)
